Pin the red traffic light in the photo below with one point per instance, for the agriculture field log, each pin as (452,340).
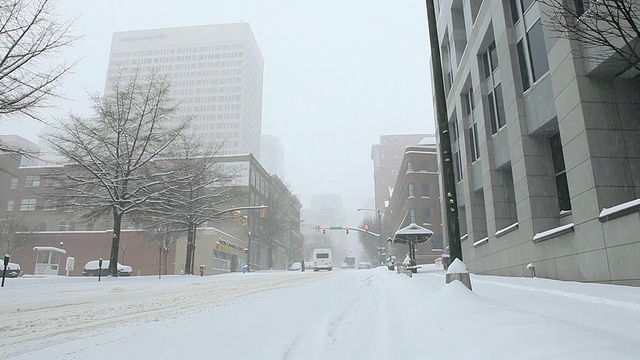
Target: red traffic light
(324,230)
(347,228)
(244,251)
(366,227)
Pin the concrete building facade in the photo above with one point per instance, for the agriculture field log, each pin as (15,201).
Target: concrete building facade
(216,74)
(546,147)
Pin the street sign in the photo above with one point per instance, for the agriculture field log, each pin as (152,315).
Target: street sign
(335,228)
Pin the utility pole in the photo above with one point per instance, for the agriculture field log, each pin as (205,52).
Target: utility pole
(449,184)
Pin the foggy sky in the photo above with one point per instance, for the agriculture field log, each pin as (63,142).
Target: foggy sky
(337,75)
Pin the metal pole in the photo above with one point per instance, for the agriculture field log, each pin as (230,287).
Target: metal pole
(448,180)
(160,262)
(6,264)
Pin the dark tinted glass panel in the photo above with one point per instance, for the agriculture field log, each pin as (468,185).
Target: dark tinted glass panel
(524,74)
(493,53)
(556,153)
(500,105)
(563,192)
(537,51)
(492,113)
(515,16)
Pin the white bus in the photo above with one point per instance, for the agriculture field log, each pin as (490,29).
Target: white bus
(322,259)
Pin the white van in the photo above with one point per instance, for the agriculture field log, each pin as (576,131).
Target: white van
(322,259)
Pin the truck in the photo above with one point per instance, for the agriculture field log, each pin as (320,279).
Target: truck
(322,259)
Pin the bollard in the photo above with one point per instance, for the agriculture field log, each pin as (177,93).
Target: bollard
(458,271)
(532,268)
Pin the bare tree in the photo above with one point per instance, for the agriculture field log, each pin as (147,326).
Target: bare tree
(9,226)
(199,190)
(280,219)
(111,153)
(165,235)
(608,30)
(30,36)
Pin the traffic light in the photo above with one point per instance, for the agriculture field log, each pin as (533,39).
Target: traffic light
(324,230)
(347,228)
(366,228)
(245,250)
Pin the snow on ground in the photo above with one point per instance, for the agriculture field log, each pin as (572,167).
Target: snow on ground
(343,314)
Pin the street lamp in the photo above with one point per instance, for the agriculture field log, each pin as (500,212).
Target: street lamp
(380,244)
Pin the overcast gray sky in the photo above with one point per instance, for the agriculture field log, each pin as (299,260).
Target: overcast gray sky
(337,75)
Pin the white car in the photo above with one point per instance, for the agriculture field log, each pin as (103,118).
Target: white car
(364,265)
(13,269)
(92,268)
(295,266)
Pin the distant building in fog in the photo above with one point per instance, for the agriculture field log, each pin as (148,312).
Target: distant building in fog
(272,155)
(216,72)
(386,157)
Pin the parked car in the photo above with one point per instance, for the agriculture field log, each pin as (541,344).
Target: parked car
(295,266)
(92,269)
(364,265)
(13,269)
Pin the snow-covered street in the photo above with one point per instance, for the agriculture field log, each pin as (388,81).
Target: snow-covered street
(343,314)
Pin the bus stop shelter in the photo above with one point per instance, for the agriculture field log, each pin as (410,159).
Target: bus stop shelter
(412,235)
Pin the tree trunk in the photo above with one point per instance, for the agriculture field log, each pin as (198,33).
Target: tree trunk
(115,243)
(270,256)
(191,247)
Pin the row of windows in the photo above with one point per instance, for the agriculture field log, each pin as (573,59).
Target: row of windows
(219,126)
(221,107)
(426,216)
(208,90)
(29,204)
(424,188)
(423,165)
(182,50)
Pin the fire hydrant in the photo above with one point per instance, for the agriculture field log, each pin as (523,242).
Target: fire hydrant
(202,269)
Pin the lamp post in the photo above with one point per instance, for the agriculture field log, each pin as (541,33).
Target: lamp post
(380,244)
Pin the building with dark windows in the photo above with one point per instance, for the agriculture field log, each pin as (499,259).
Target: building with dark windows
(546,146)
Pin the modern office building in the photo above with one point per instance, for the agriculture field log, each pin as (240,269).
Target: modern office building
(216,74)
(546,146)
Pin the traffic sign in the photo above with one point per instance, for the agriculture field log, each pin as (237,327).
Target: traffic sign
(335,228)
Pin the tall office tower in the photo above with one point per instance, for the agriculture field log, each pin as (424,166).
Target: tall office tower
(545,144)
(216,73)
(387,157)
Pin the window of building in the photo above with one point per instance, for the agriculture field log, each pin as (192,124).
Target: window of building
(409,165)
(495,105)
(423,165)
(468,106)
(410,188)
(28,205)
(32,181)
(427,216)
(412,215)
(425,190)
(42,226)
(14,183)
(562,186)
(49,206)
(458,175)
(474,146)
(532,55)
(10,205)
